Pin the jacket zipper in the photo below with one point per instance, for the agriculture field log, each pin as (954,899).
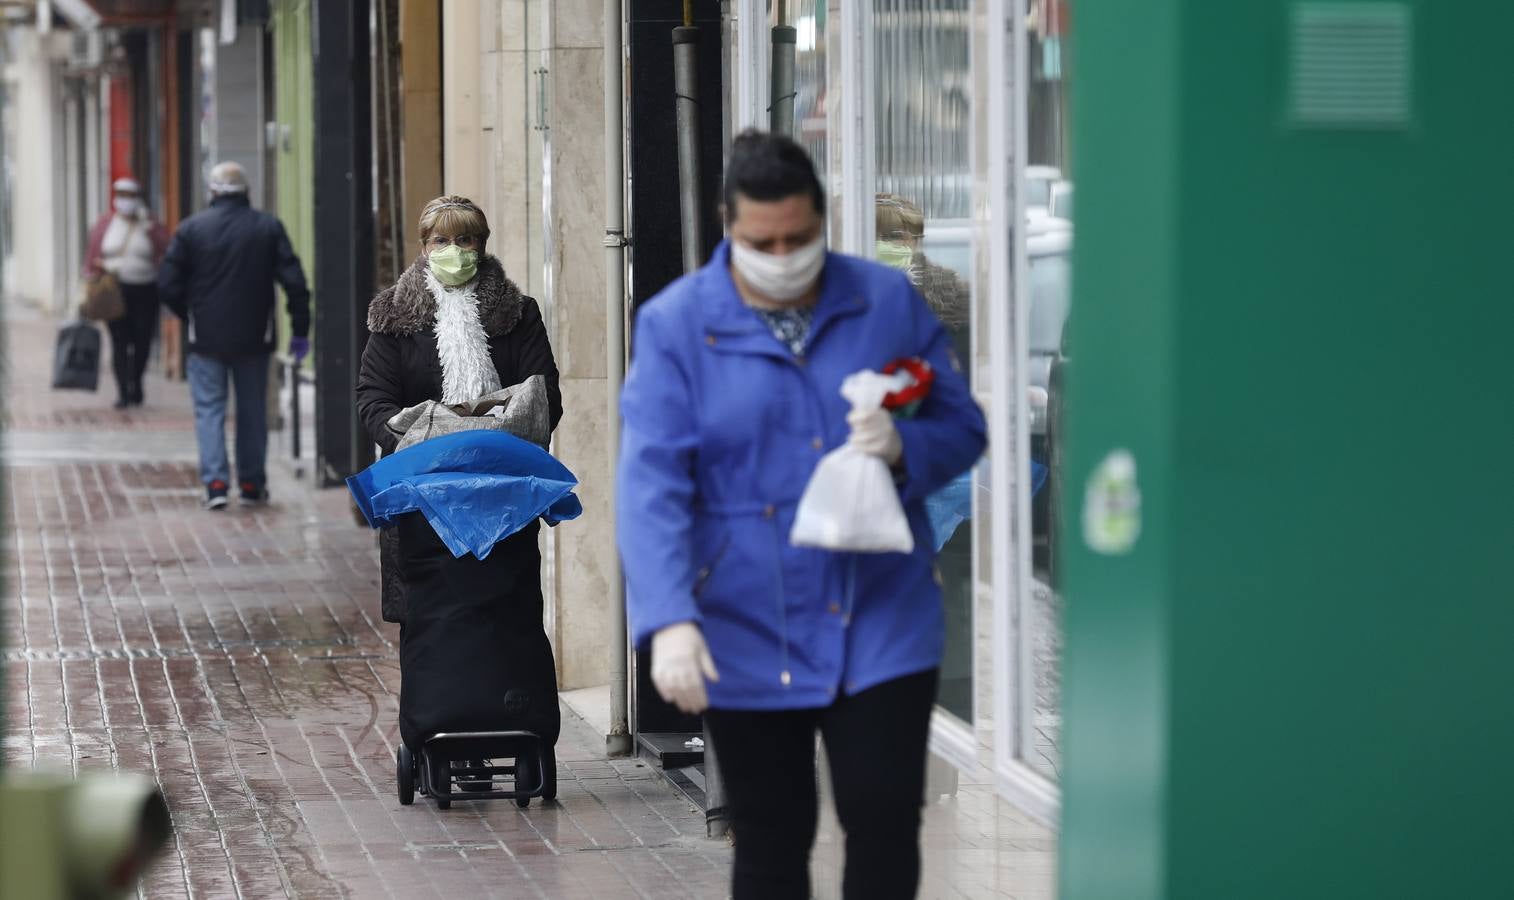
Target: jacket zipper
(801,367)
(703,577)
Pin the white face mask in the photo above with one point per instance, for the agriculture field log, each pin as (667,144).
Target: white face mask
(781,278)
(128,206)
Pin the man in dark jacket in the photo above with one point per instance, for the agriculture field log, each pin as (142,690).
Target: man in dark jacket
(218,276)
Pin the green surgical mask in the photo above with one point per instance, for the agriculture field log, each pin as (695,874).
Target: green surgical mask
(898,256)
(452,265)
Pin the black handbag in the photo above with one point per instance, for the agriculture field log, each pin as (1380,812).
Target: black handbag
(76,360)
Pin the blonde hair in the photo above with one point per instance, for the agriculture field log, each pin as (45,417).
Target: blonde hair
(898,218)
(454,216)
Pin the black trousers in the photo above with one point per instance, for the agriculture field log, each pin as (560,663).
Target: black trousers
(131,338)
(875,743)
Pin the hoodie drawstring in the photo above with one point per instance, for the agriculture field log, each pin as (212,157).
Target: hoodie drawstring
(784,676)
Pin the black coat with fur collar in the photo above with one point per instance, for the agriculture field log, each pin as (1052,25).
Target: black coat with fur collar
(401,366)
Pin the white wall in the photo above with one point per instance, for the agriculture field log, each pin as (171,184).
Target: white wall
(239,108)
(32,142)
(574,230)
(544,194)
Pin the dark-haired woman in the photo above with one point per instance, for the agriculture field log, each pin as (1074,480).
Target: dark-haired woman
(732,398)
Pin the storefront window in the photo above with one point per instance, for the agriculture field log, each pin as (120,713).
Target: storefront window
(922,108)
(811,107)
(816,99)
(1048,233)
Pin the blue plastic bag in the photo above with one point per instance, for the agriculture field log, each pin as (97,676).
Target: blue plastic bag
(1038,475)
(476,488)
(949,507)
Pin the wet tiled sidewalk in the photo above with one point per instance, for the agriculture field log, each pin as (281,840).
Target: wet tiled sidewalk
(239,657)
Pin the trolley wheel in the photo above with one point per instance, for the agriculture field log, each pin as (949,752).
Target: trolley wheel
(549,775)
(404,775)
(439,781)
(525,776)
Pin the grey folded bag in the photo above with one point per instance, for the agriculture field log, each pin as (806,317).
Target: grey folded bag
(521,409)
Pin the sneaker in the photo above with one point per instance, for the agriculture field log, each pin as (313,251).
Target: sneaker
(252,495)
(215,495)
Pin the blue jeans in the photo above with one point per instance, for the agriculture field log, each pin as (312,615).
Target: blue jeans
(207,385)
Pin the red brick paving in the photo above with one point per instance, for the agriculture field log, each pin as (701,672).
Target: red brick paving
(239,657)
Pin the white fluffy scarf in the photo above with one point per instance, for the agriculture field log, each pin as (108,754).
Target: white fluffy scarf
(467,371)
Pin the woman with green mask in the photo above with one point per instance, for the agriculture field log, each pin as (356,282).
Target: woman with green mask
(453,329)
(900,229)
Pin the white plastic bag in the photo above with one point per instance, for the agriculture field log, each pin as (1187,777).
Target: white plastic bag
(851,502)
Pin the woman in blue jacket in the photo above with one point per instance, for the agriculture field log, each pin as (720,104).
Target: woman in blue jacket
(732,398)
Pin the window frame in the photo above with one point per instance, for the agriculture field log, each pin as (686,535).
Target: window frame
(1009,426)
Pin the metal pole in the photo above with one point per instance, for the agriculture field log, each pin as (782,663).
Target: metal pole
(343,231)
(294,410)
(618,741)
(685,86)
(715,822)
(781,112)
(686,89)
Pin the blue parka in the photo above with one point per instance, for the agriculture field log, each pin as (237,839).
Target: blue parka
(723,426)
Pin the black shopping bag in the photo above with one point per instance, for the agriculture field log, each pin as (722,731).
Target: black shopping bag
(76,362)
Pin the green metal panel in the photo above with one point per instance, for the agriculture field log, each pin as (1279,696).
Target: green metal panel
(294,95)
(1292,304)
(34,849)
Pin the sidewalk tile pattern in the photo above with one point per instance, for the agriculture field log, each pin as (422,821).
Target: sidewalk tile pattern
(239,658)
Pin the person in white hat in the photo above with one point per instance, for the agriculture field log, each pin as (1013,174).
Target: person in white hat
(129,244)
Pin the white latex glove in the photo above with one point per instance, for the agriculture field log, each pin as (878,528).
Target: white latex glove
(680,664)
(873,433)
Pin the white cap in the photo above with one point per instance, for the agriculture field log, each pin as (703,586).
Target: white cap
(126,185)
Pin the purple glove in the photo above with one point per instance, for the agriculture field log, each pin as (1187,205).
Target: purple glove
(299,348)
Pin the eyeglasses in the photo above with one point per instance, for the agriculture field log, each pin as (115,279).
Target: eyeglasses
(465,241)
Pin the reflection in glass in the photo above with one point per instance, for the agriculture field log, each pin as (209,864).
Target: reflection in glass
(1048,245)
(923,104)
(1049,288)
(1038,184)
(922,120)
(810,102)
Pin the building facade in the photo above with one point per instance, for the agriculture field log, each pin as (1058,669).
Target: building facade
(948,115)
(938,127)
